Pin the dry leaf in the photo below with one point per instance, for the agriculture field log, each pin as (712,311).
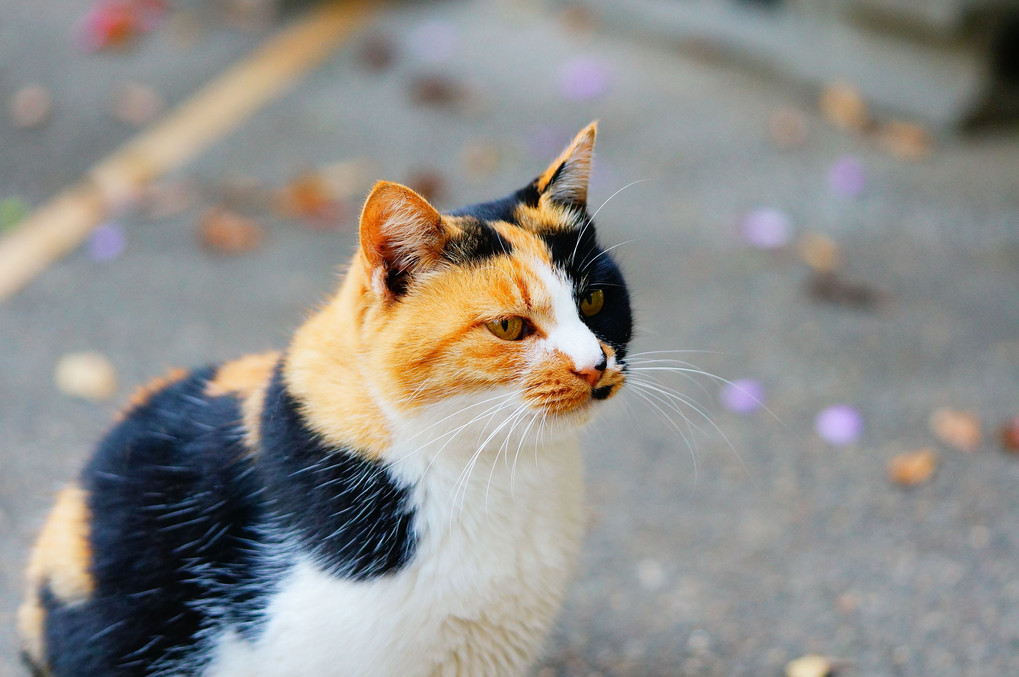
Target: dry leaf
(905,140)
(88,375)
(820,252)
(913,468)
(959,429)
(843,106)
(1010,435)
(226,232)
(830,287)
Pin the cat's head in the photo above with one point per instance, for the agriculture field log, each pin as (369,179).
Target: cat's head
(511,294)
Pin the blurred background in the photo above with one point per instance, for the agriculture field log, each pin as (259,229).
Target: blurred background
(818,199)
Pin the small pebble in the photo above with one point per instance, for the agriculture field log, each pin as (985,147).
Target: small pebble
(377,53)
(479,160)
(31,107)
(958,429)
(137,104)
(650,574)
(742,396)
(809,666)
(766,228)
(583,79)
(107,243)
(913,468)
(432,42)
(437,90)
(787,128)
(839,425)
(225,232)
(12,211)
(843,106)
(167,198)
(820,252)
(846,178)
(88,375)
(1010,435)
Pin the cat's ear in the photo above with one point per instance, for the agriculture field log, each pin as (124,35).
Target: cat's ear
(565,181)
(401,234)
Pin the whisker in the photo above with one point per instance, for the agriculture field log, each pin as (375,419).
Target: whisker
(590,219)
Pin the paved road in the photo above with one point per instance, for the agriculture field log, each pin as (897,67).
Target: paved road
(753,548)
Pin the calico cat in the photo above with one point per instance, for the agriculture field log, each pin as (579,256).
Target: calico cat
(398,493)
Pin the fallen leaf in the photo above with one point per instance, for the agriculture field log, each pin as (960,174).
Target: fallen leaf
(1010,435)
(309,197)
(905,140)
(377,53)
(820,252)
(437,90)
(913,468)
(830,287)
(843,106)
(88,375)
(959,429)
(226,232)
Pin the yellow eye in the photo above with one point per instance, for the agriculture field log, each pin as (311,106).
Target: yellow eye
(592,303)
(509,329)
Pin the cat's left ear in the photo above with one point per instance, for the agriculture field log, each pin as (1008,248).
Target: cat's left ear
(565,181)
(401,234)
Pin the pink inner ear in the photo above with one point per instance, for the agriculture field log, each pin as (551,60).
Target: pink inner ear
(400,232)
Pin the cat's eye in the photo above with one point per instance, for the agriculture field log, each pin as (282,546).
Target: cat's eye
(592,303)
(508,329)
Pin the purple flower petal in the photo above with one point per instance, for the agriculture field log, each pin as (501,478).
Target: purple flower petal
(583,79)
(839,425)
(766,228)
(432,41)
(107,243)
(742,396)
(847,178)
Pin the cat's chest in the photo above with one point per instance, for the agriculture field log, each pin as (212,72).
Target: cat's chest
(494,547)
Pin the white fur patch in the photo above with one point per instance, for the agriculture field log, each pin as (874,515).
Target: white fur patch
(495,546)
(570,335)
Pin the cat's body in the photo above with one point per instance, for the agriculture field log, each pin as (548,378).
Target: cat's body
(397,493)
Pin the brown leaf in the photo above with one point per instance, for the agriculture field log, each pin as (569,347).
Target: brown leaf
(829,287)
(1010,435)
(228,233)
(913,468)
(843,106)
(958,429)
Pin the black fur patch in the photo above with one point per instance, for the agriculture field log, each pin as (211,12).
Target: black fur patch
(477,243)
(175,507)
(346,510)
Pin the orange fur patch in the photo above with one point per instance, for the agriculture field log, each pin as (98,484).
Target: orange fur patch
(144,393)
(243,375)
(247,378)
(61,560)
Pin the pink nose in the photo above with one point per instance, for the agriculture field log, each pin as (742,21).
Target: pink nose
(590,374)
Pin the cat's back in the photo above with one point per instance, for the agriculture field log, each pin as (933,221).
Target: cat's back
(159,539)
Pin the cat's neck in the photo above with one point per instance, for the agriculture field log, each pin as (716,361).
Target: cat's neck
(324,372)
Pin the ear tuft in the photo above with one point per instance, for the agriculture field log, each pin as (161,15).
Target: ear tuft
(401,234)
(565,181)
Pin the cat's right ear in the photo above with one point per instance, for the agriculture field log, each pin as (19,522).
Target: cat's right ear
(400,234)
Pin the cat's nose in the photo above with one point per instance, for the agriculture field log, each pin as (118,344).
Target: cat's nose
(593,374)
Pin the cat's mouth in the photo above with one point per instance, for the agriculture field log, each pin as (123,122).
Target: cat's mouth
(601,393)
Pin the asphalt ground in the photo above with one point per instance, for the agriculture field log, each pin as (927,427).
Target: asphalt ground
(755,543)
